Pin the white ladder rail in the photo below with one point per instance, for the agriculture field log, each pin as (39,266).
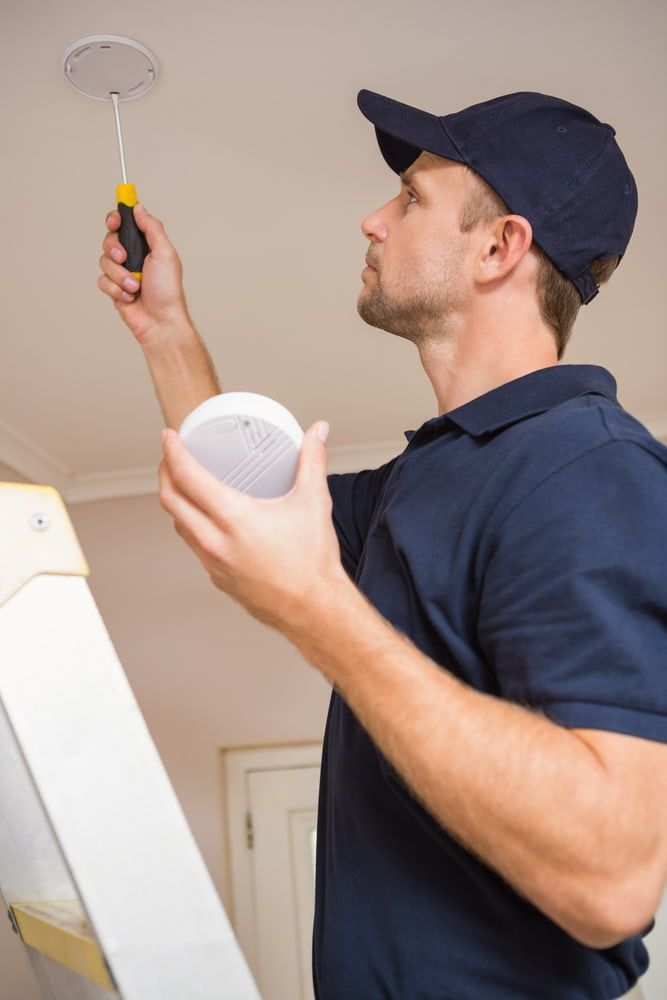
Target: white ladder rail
(87,813)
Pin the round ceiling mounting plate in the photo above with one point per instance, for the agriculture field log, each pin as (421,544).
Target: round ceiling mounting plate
(100,65)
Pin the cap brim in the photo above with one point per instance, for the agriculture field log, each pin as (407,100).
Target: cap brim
(403,132)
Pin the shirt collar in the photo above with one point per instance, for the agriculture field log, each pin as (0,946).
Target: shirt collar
(523,397)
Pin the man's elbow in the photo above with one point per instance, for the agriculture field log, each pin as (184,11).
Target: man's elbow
(623,909)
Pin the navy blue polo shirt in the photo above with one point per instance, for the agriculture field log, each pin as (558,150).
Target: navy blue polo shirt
(520,541)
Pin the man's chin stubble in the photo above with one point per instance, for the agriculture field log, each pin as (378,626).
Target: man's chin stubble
(383,315)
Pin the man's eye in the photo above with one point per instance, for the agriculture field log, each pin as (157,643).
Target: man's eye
(412,198)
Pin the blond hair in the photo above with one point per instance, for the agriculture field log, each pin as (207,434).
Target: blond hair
(557,297)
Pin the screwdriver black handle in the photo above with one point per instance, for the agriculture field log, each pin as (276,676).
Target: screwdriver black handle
(130,236)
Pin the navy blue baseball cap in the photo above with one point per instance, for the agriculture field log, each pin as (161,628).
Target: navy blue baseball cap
(550,161)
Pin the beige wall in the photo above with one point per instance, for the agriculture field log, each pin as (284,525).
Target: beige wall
(206,675)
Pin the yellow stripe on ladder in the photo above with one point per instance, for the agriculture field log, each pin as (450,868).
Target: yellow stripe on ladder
(61,931)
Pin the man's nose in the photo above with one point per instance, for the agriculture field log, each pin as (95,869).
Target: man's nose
(374,226)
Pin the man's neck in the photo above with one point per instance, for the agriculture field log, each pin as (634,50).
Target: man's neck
(465,368)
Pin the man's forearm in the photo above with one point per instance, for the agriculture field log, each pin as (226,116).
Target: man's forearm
(528,797)
(182,371)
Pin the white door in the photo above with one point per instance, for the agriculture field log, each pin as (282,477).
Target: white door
(271,795)
(283,807)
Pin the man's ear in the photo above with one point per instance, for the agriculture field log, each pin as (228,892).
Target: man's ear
(503,248)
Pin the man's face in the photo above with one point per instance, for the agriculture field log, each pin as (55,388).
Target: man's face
(418,279)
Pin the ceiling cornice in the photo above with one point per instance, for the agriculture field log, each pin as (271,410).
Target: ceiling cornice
(31,461)
(143,482)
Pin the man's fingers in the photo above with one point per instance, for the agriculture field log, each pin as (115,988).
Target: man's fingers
(114,291)
(111,244)
(222,503)
(191,524)
(118,275)
(112,248)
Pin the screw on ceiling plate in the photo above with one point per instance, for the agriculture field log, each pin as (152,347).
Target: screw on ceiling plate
(39,522)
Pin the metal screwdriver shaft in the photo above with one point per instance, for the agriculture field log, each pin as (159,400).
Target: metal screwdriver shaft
(114,98)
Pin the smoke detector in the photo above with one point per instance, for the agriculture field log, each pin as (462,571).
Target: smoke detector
(100,65)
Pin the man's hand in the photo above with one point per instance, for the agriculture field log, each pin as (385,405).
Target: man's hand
(277,557)
(161,303)
(181,367)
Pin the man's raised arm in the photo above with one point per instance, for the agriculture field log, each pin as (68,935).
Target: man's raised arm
(179,363)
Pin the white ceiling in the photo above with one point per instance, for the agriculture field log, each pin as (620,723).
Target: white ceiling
(252,151)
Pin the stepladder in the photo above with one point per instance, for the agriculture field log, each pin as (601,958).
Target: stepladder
(99,872)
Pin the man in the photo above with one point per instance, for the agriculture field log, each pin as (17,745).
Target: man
(491,608)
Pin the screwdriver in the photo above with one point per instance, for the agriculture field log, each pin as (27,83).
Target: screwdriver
(130,236)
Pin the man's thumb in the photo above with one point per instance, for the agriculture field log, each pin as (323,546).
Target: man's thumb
(152,228)
(313,455)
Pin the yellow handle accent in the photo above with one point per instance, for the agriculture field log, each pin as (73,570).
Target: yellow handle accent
(126,194)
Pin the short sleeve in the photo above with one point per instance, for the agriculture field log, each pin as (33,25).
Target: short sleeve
(573,606)
(354,496)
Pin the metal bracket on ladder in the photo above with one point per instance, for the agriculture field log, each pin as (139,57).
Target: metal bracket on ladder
(97,863)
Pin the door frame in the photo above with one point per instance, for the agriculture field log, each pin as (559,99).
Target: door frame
(237,763)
